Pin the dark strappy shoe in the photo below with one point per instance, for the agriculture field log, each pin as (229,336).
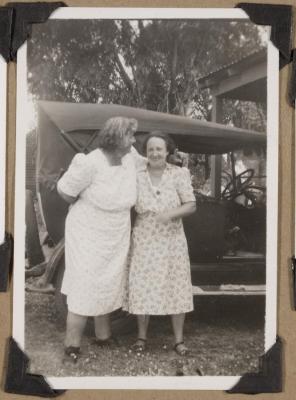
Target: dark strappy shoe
(139,346)
(184,351)
(71,354)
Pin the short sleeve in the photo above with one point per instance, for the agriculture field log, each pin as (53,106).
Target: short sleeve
(184,186)
(78,176)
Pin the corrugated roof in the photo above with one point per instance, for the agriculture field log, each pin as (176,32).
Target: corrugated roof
(246,60)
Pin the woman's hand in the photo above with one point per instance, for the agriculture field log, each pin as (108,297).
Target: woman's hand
(183,211)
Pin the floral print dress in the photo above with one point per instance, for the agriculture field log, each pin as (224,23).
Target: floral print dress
(159,279)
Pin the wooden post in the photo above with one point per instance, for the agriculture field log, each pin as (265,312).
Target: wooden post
(216,160)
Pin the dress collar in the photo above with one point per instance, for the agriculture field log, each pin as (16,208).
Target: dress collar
(144,168)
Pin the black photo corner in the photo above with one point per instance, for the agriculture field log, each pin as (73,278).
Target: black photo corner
(269,377)
(25,14)
(15,28)
(5,31)
(19,381)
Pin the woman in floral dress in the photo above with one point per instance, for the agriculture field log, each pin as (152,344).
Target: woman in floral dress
(159,271)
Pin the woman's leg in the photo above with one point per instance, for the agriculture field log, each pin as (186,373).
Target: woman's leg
(178,325)
(102,327)
(75,327)
(143,322)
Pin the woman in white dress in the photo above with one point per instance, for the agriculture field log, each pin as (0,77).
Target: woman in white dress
(101,187)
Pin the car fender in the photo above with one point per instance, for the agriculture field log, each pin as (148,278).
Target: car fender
(54,261)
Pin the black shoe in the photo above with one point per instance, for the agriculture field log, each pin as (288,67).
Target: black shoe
(71,354)
(139,346)
(181,349)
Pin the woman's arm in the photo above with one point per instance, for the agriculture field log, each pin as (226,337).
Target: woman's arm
(76,179)
(66,197)
(183,211)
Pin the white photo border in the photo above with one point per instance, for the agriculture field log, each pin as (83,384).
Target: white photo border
(185,382)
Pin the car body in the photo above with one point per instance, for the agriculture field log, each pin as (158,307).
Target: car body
(67,128)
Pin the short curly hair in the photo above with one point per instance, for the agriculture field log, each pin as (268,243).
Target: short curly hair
(170,144)
(111,136)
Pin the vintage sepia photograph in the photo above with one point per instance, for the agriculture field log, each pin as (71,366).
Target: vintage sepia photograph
(146,198)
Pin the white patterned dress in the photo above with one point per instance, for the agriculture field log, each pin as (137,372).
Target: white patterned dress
(97,232)
(159,279)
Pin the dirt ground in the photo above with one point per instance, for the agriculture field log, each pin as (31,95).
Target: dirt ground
(225,335)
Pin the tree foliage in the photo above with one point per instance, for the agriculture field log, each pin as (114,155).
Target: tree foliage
(151,64)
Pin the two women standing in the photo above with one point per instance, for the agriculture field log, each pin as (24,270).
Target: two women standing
(103,186)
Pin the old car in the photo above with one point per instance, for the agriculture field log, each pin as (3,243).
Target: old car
(226,235)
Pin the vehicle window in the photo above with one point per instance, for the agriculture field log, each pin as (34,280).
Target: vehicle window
(83,141)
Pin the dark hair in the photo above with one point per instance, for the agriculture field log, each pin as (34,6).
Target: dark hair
(170,144)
